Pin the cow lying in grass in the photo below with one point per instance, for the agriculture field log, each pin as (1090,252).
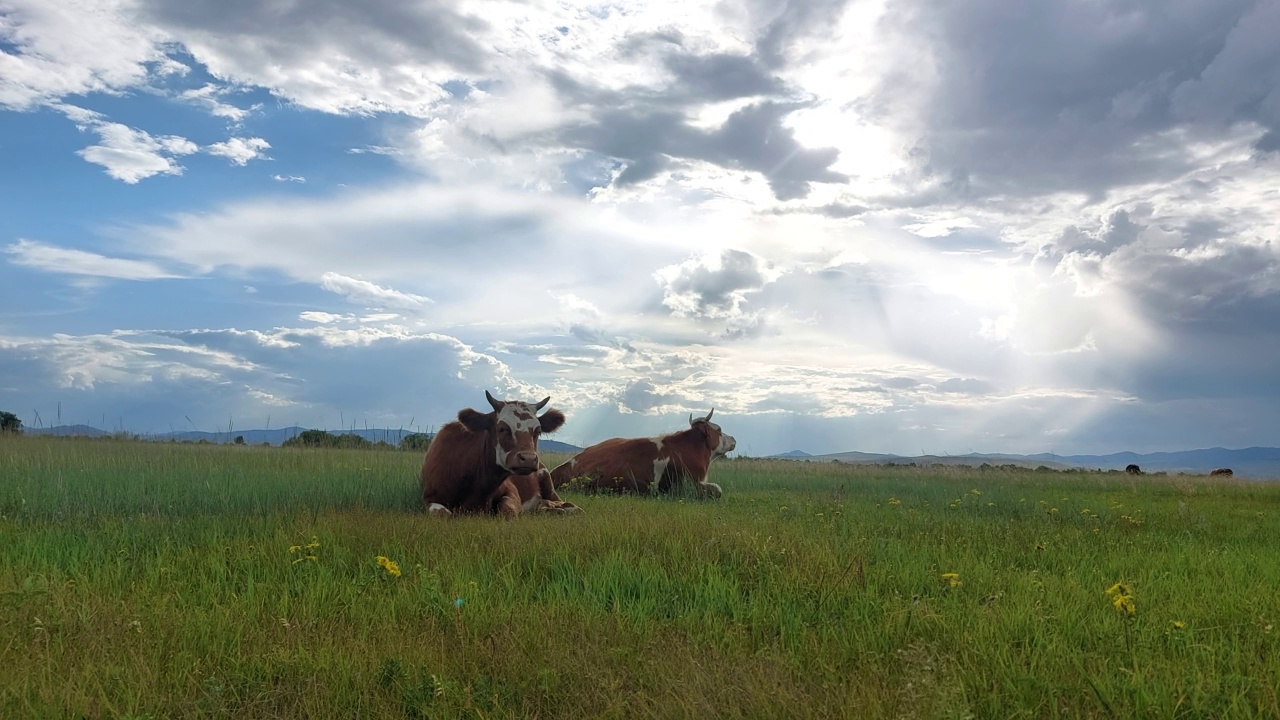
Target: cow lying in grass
(488,462)
(650,465)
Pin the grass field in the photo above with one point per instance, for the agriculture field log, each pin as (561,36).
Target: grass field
(173,581)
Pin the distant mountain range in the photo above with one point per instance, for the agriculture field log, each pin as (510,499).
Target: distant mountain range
(1254,462)
(258,437)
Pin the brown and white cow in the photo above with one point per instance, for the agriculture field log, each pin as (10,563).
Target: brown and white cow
(650,465)
(470,463)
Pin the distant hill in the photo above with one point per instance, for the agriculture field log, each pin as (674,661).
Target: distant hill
(1253,462)
(258,437)
(555,446)
(73,430)
(792,454)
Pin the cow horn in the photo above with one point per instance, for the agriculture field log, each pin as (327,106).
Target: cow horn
(497,404)
(691,418)
(542,404)
(708,417)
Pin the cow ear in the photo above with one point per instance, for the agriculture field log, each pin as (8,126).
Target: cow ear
(475,420)
(551,420)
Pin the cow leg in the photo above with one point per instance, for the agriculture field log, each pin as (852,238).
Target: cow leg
(546,487)
(708,490)
(557,507)
(506,500)
(438,510)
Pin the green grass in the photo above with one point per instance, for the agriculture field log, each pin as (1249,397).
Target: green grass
(151,580)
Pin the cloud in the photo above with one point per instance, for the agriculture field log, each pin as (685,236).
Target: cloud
(307,375)
(918,222)
(365,292)
(239,150)
(717,289)
(56,51)
(208,95)
(751,139)
(50,258)
(1054,97)
(967,386)
(384,57)
(132,155)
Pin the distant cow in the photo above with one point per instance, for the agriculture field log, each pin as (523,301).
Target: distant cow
(650,465)
(470,462)
(1133,469)
(1222,471)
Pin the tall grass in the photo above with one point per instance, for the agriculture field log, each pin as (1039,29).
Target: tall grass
(174,581)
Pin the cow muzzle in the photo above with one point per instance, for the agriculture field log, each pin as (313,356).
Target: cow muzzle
(522,462)
(727,445)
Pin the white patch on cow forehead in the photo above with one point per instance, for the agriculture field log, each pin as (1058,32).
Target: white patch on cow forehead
(520,417)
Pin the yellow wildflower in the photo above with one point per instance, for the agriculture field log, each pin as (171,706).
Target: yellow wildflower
(1124,604)
(894,501)
(1178,624)
(392,568)
(953,579)
(1122,599)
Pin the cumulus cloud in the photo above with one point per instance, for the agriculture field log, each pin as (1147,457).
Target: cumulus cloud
(132,155)
(209,97)
(58,51)
(716,288)
(239,150)
(383,57)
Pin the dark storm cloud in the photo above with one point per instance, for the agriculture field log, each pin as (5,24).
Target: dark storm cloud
(1049,96)
(718,291)
(644,396)
(1185,273)
(752,138)
(649,128)
(382,31)
(793,23)
(1211,298)
(720,76)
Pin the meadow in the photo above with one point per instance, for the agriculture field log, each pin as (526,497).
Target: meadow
(149,580)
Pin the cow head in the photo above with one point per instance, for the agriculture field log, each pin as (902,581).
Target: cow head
(514,428)
(719,442)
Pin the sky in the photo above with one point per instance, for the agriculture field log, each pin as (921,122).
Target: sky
(906,227)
